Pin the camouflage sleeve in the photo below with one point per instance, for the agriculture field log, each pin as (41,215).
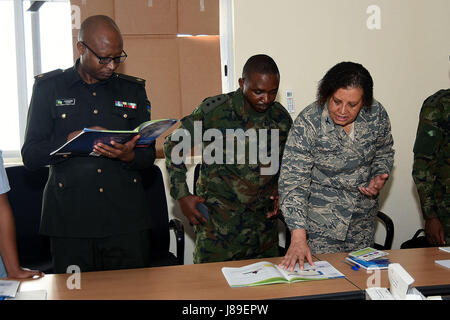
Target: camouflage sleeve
(429,138)
(175,165)
(384,154)
(295,174)
(285,128)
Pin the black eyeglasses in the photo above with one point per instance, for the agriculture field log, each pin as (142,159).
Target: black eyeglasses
(107,60)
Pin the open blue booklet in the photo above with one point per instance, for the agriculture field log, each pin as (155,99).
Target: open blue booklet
(83,143)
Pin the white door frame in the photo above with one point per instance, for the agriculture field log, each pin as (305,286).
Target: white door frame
(226,28)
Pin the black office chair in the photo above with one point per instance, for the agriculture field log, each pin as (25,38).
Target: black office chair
(389,225)
(25,198)
(417,241)
(280,217)
(160,234)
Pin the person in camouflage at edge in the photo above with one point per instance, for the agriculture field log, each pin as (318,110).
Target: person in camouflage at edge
(431,169)
(240,199)
(336,160)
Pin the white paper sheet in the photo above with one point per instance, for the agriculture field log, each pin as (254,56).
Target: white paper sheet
(444,263)
(8,288)
(30,295)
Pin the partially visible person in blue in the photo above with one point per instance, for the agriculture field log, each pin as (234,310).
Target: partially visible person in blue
(8,247)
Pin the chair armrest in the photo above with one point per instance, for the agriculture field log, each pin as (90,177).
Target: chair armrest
(177,226)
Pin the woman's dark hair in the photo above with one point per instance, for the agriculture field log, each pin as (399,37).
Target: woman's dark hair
(346,75)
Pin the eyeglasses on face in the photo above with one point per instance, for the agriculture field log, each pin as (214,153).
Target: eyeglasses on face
(107,60)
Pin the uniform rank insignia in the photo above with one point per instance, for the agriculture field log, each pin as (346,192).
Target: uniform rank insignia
(65,102)
(124,104)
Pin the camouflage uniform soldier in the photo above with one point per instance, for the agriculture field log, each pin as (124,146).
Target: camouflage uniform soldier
(431,169)
(337,158)
(237,195)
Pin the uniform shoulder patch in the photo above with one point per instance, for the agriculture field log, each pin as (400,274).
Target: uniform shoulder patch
(210,103)
(48,75)
(131,78)
(435,98)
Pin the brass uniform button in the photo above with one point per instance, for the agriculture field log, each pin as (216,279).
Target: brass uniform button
(63,116)
(125,115)
(101,189)
(99,170)
(94,93)
(134,180)
(60,185)
(95,111)
(65,156)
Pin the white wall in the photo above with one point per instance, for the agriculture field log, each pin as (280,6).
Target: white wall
(408,59)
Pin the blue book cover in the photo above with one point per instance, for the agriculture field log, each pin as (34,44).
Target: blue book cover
(376,264)
(83,143)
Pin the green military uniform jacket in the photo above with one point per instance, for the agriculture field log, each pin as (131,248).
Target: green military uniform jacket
(431,169)
(87,196)
(236,193)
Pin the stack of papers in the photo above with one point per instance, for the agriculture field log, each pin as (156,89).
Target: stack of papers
(368,254)
(369,258)
(8,289)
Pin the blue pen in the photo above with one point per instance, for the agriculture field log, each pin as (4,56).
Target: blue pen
(355,267)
